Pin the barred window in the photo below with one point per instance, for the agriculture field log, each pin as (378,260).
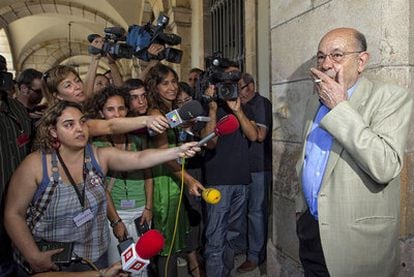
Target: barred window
(226,20)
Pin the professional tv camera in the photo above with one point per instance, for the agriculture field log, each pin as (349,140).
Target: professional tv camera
(226,83)
(137,41)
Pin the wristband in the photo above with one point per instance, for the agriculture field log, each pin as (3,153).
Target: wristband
(116,222)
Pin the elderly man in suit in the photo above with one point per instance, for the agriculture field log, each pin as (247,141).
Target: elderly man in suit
(354,140)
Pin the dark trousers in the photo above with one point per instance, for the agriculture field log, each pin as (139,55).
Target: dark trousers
(310,247)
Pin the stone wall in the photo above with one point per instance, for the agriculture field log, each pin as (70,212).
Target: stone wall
(296,28)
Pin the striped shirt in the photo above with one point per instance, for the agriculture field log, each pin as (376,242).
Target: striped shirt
(14,121)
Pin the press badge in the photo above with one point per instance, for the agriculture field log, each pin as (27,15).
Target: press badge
(127,204)
(83,217)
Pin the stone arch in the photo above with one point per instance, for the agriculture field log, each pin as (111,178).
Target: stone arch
(5,50)
(50,53)
(20,9)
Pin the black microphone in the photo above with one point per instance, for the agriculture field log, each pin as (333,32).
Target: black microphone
(170,39)
(117,31)
(188,111)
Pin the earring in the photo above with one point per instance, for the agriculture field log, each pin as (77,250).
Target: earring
(55,143)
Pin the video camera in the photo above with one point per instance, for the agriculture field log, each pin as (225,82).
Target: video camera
(137,41)
(226,83)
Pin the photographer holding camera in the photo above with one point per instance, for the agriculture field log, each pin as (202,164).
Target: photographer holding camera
(92,78)
(138,41)
(98,49)
(226,169)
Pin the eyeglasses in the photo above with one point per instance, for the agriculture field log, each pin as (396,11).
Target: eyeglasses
(335,57)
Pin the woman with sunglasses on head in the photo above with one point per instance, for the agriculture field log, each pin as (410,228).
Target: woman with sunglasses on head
(162,89)
(57,193)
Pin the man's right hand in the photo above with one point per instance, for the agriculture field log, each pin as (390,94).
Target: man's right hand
(43,261)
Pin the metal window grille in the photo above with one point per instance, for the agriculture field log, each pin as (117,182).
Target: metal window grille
(226,20)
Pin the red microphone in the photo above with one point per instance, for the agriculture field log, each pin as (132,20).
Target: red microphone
(225,126)
(150,244)
(136,257)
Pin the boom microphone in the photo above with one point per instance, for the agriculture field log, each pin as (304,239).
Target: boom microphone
(188,111)
(136,257)
(117,31)
(225,126)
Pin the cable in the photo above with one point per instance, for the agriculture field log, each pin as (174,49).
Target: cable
(77,259)
(176,217)
(91,264)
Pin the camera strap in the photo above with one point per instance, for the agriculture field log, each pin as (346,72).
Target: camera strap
(81,197)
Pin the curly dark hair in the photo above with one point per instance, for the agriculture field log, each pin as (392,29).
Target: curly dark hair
(154,77)
(98,100)
(44,140)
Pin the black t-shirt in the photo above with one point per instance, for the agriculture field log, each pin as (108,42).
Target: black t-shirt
(260,153)
(227,163)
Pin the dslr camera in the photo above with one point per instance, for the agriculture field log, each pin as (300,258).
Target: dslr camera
(137,40)
(226,83)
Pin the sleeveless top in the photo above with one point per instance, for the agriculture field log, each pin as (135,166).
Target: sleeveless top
(55,204)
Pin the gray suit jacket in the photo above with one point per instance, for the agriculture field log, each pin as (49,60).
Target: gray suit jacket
(359,198)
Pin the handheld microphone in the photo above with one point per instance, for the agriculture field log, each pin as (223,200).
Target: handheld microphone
(136,257)
(211,195)
(190,110)
(225,126)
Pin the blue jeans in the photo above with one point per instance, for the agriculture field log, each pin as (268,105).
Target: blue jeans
(257,215)
(231,209)
(254,227)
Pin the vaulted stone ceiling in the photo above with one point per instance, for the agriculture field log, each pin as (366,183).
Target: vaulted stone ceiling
(38,30)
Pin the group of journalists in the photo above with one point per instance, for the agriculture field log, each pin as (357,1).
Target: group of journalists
(91,164)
